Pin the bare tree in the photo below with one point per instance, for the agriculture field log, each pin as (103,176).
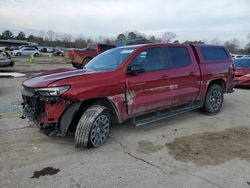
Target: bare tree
(50,35)
(215,41)
(121,37)
(168,36)
(232,45)
(42,34)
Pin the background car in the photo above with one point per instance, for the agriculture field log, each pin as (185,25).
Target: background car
(26,51)
(58,53)
(242,71)
(24,46)
(5,60)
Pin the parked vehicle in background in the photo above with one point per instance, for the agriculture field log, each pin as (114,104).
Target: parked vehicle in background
(30,46)
(46,49)
(80,57)
(144,83)
(242,71)
(13,48)
(58,52)
(237,56)
(5,60)
(26,51)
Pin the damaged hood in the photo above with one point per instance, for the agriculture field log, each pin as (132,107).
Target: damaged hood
(44,79)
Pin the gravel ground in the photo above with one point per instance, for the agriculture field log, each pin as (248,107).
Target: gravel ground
(189,150)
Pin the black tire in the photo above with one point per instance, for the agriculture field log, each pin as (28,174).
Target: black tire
(85,61)
(93,127)
(18,54)
(36,54)
(77,65)
(214,100)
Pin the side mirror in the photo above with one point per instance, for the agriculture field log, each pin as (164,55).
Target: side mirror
(135,69)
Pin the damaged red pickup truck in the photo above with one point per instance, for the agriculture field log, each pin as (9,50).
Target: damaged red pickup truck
(143,83)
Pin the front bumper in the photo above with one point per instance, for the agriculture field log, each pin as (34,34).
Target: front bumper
(44,112)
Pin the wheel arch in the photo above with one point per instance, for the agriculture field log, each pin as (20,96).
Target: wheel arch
(219,81)
(88,57)
(82,106)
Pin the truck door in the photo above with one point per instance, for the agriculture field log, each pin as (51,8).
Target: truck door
(147,91)
(184,75)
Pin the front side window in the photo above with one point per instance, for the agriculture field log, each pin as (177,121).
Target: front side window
(179,56)
(152,59)
(109,60)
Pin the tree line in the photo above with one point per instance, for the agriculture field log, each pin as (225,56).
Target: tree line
(51,38)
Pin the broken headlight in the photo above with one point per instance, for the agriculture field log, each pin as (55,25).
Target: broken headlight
(52,91)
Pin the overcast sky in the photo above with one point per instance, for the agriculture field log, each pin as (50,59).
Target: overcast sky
(189,19)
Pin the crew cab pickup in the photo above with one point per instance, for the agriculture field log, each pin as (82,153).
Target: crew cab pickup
(80,57)
(143,83)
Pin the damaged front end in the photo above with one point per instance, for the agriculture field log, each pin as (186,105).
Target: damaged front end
(46,107)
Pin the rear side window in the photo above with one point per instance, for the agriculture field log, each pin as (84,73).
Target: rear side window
(213,54)
(179,56)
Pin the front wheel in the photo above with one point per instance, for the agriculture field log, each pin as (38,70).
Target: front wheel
(214,100)
(93,127)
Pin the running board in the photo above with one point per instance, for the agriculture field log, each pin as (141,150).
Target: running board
(163,114)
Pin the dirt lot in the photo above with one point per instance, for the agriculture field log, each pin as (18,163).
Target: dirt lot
(191,150)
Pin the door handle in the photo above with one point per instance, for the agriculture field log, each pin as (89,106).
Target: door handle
(192,73)
(164,77)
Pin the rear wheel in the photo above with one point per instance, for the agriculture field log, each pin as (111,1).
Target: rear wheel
(85,61)
(36,54)
(214,100)
(77,65)
(93,127)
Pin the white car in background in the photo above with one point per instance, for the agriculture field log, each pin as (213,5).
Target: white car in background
(26,51)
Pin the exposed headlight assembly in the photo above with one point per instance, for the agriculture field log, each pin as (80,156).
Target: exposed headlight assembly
(53,91)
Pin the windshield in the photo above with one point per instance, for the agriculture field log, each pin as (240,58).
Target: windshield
(244,63)
(109,60)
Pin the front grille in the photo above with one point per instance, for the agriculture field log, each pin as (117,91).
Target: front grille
(32,105)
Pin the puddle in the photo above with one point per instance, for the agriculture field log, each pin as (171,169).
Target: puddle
(48,171)
(212,148)
(148,147)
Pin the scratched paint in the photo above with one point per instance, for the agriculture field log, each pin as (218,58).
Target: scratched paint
(130,96)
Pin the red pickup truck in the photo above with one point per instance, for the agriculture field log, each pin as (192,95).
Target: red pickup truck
(78,58)
(143,83)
